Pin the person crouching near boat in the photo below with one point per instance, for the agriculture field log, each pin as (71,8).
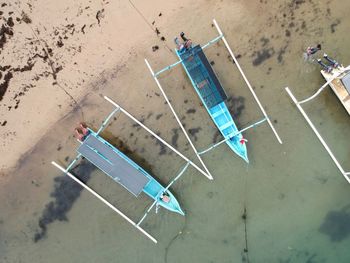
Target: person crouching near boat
(183,46)
(81,132)
(310,51)
(165,197)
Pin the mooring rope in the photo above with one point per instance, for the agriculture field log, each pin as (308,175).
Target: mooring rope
(245,218)
(154,30)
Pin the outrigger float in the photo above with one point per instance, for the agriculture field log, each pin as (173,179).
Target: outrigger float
(338,78)
(126,172)
(212,95)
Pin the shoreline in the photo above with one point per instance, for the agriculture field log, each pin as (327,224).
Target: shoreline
(58,66)
(282,184)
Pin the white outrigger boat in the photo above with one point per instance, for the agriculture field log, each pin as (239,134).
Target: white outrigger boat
(126,172)
(338,78)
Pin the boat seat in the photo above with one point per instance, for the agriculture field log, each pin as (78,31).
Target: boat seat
(225,126)
(218,113)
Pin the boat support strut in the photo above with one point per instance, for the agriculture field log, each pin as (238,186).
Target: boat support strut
(344,173)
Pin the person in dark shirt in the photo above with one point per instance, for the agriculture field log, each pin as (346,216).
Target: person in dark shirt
(185,45)
(312,50)
(81,132)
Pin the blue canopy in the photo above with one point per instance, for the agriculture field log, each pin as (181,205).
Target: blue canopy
(203,76)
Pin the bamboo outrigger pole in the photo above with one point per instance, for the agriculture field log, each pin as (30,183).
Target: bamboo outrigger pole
(247,82)
(324,85)
(157,137)
(180,61)
(345,174)
(208,174)
(235,134)
(105,201)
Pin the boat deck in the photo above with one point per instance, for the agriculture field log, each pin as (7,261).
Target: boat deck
(203,76)
(213,96)
(108,159)
(341,87)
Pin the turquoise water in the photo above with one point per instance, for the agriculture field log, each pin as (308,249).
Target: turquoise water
(290,204)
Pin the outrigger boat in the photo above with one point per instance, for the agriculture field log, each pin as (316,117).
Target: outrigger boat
(213,96)
(338,78)
(126,172)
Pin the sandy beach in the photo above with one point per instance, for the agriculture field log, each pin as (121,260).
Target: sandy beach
(58,59)
(53,54)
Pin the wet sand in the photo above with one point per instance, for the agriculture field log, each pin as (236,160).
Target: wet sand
(290,204)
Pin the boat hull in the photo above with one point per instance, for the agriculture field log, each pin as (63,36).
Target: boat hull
(153,188)
(223,121)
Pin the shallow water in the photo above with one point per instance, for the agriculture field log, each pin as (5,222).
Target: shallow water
(290,204)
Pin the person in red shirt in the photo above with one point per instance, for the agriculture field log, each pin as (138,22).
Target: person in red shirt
(81,132)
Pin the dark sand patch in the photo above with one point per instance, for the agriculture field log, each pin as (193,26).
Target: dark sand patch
(280,53)
(236,106)
(158,116)
(334,25)
(336,224)
(191,111)
(175,137)
(216,137)
(25,18)
(5,84)
(5,32)
(262,55)
(194,131)
(65,193)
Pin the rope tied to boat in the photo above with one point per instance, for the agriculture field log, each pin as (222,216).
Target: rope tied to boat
(243,140)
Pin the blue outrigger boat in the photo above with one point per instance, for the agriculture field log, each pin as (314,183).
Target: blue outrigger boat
(125,171)
(212,95)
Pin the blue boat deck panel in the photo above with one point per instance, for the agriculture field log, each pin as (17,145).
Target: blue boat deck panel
(346,82)
(103,156)
(203,76)
(223,119)
(153,189)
